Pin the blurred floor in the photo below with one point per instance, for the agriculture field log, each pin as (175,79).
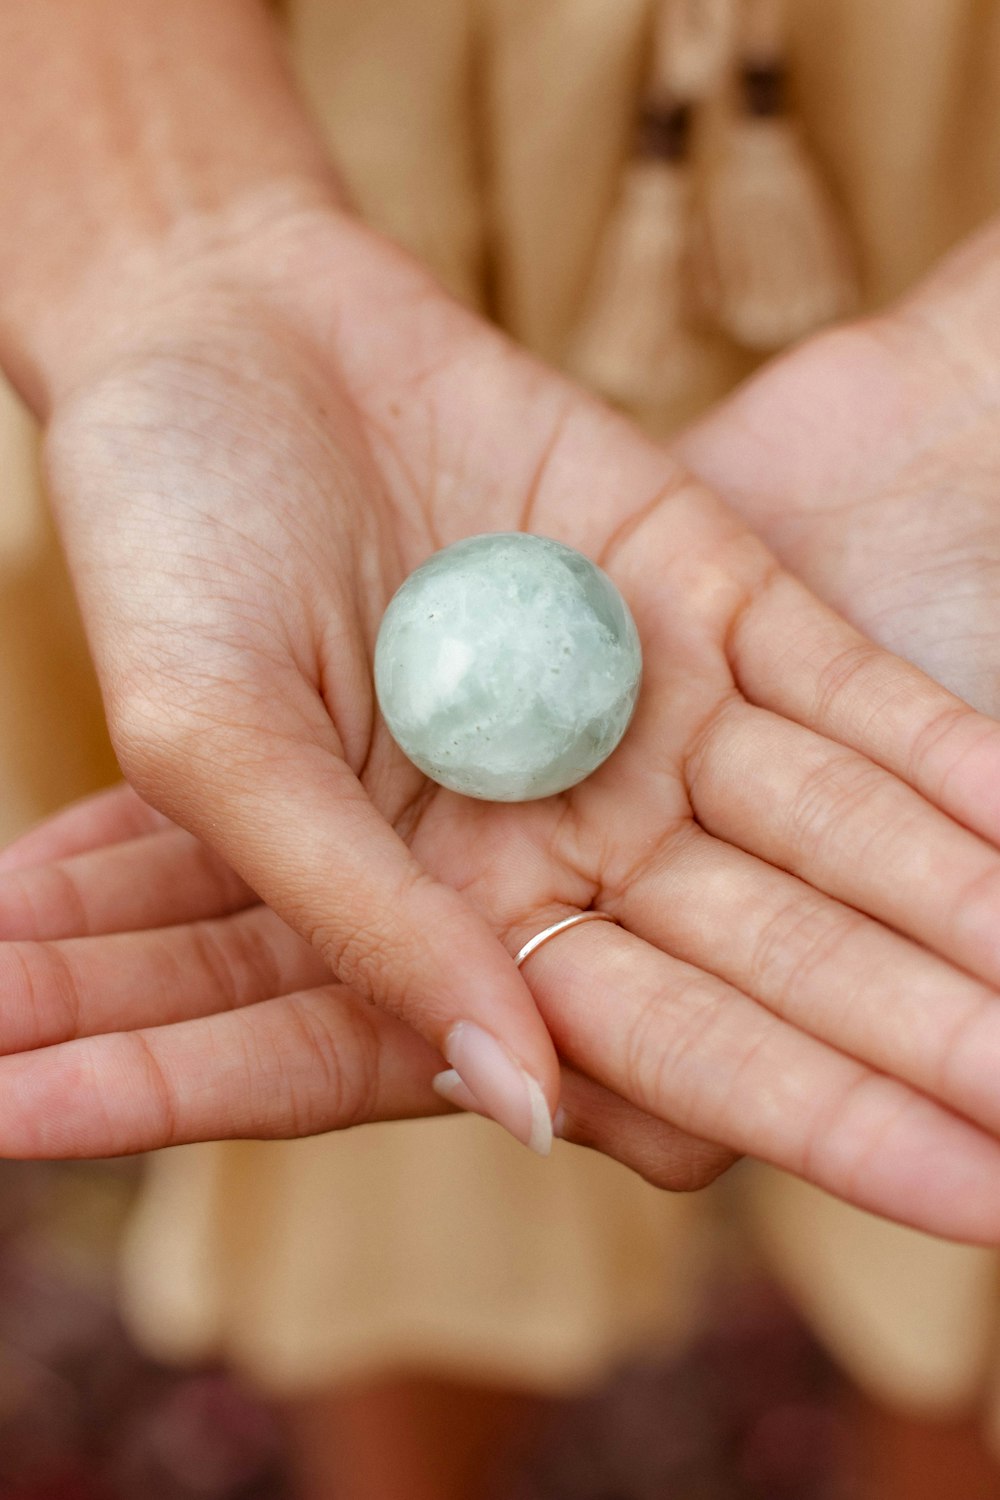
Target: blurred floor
(753,1410)
(83,1416)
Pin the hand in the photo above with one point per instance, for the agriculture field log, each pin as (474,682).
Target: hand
(240,494)
(869,460)
(308,1055)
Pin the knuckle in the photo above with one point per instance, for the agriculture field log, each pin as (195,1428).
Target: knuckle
(799,940)
(932,739)
(962,1048)
(151,734)
(44,1000)
(973,909)
(213,952)
(831,793)
(840,677)
(43,903)
(359,954)
(667,1030)
(341,1044)
(950,753)
(820,1148)
(169,725)
(63,988)
(708,741)
(158,1096)
(385,952)
(760,577)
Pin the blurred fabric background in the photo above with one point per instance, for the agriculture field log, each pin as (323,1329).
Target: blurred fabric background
(750,1410)
(744,1405)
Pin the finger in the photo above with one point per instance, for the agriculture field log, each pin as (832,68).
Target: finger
(104,818)
(53,992)
(152,881)
(801,660)
(852,830)
(825,968)
(276,799)
(62,991)
(294,1066)
(592,1116)
(685,1046)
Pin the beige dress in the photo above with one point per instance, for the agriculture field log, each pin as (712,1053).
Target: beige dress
(489,136)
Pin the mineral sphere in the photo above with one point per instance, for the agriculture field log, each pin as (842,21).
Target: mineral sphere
(507,667)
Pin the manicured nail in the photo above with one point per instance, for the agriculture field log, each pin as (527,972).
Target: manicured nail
(501,1087)
(559,1123)
(451,1087)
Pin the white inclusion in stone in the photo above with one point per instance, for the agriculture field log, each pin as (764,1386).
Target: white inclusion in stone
(507,667)
(434,690)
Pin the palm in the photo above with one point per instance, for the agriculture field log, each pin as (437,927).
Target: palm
(763,834)
(890,509)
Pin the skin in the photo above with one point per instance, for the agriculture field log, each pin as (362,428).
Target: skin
(797,834)
(868,461)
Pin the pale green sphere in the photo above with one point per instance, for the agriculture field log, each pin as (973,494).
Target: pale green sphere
(507,667)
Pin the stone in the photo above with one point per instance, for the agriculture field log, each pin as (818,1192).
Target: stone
(507,667)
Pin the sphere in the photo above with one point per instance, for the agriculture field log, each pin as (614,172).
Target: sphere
(507,667)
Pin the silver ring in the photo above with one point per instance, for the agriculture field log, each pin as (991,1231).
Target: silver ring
(550,932)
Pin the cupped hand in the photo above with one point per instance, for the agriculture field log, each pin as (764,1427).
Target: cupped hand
(869,460)
(797,834)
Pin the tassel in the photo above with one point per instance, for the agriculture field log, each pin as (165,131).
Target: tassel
(637,340)
(773,259)
(632,342)
(693,46)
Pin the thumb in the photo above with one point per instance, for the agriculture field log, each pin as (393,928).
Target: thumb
(274,796)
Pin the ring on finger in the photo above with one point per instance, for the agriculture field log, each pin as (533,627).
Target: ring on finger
(563,926)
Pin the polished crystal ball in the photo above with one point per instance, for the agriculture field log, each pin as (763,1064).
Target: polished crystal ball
(507,667)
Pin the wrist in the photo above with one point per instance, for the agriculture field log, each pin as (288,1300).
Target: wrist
(60,330)
(177,136)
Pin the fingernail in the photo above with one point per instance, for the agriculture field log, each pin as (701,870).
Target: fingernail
(501,1087)
(451,1087)
(559,1123)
